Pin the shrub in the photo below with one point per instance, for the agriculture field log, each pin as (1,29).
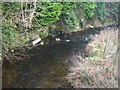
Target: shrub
(43,34)
(70,19)
(101,11)
(9,34)
(48,13)
(89,8)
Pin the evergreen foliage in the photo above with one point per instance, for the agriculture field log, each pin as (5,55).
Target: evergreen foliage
(67,5)
(70,19)
(48,13)
(10,7)
(101,11)
(89,8)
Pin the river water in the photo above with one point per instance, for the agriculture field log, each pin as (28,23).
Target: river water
(48,64)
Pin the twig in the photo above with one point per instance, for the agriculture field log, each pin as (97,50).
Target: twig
(33,11)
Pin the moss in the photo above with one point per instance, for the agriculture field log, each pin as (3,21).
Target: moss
(43,34)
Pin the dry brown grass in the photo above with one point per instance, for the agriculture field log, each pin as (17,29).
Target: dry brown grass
(100,68)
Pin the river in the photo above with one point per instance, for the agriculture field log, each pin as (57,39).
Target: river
(48,64)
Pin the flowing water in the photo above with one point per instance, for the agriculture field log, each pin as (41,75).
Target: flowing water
(48,64)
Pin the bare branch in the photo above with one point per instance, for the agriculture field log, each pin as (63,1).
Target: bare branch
(33,11)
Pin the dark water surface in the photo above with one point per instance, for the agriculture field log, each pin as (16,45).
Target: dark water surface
(47,66)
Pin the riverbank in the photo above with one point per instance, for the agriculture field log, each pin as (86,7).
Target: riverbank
(99,69)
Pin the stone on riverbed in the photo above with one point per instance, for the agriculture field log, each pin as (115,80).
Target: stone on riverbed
(57,39)
(36,41)
(67,40)
(42,43)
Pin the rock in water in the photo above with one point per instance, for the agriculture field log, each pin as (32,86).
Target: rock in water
(57,39)
(67,40)
(91,27)
(36,41)
(42,43)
